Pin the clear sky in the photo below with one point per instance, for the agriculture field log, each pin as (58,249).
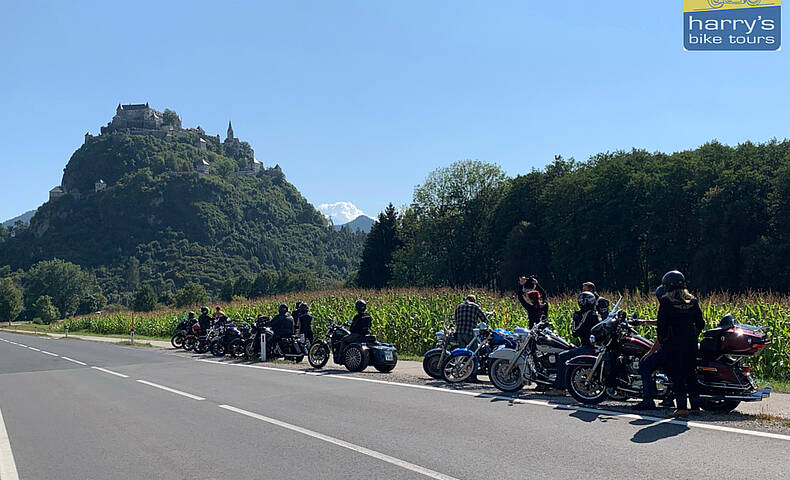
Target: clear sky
(358,100)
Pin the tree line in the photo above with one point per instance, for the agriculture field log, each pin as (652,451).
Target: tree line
(720,214)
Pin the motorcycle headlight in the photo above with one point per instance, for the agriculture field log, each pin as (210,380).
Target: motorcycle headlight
(592,339)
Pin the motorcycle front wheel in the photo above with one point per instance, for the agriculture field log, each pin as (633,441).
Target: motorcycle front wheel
(583,390)
(458,369)
(502,379)
(430,363)
(218,349)
(318,355)
(177,340)
(189,343)
(236,349)
(202,346)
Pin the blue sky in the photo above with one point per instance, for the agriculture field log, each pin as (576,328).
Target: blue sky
(358,100)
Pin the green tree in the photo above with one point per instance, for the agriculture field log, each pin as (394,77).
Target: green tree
(64,282)
(169,117)
(10,300)
(91,303)
(265,284)
(226,293)
(46,310)
(145,299)
(242,287)
(192,294)
(382,240)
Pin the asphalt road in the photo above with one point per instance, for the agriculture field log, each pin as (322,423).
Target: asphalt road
(150,414)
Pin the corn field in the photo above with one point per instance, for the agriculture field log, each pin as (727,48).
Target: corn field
(409,318)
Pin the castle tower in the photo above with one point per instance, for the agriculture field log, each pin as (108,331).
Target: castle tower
(230,131)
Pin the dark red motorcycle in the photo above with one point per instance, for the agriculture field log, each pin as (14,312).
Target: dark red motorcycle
(724,381)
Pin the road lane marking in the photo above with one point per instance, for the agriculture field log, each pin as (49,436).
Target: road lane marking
(172,390)
(524,401)
(7,464)
(341,443)
(110,372)
(72,360)
(34,349)
(49,353)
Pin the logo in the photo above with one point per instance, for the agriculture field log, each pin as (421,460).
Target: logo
(732,24)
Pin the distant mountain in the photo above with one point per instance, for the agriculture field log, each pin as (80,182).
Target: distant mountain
(340,212)
(25,218)
(362,223)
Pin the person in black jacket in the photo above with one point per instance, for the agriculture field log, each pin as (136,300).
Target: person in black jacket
(360,325)
(305,322)
(296,314)
(533,298)
(601,304)
(584,319)
(204,320)
(679,324)
(282,326)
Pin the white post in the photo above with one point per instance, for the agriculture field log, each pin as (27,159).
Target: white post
(67,332)
(263,347)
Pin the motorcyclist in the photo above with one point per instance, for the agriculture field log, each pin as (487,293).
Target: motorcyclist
(532,297)
(218,313)
(305,322)
(296,314)
(584,319)
(601,304)
(467,316)
(648,364)
(204,320)
(282,326)
(360,325)
(679,325)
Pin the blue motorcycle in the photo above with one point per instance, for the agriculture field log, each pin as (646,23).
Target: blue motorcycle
(463,363)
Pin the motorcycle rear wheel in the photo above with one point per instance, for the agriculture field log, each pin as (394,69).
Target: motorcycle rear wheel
(202,346)
(236,349)
(430,363)
(177,340)
(507,382)
(720,406)
(318,355)
(189,343)
(355,359)
(589,392)
(387,368)
(218,349)
(458,369)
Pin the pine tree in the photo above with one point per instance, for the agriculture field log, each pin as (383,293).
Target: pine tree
(381,242)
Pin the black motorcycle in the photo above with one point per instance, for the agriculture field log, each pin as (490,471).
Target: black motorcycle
(355,356)
(183,328)
(228,342)
(433,359)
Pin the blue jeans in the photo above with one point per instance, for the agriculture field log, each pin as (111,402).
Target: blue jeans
(647,367)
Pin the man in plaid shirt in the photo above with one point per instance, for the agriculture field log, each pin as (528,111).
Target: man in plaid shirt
(467,315)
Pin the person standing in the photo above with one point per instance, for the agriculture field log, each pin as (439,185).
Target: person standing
(679,324)
(467,316)
(584,319)
(306,322)
(532,297)
(204,320)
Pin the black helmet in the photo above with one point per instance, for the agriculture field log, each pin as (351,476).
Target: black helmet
(586,299)
(191,314)
(360,305)
(660,291)
(283,308)
(303,307)
(203,309)
(673,280)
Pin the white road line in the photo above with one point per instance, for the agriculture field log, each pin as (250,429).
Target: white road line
(110,372)
(541,403)
(49,353)
(341,443)
(72,360)
(7,464)
(34,349)
(172,390)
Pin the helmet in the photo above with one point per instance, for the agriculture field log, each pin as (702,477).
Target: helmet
(191,314)
(586,299)
(203,309)
(360,305)
(283,308)
(303,307)
(296,305)
(673,280)
(660,291)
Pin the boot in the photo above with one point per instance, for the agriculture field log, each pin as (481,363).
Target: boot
(667,403)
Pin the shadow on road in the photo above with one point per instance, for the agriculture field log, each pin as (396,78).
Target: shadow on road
(656,431)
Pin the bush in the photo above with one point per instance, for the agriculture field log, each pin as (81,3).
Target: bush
(46,311)
(192,294)
(10,300)
(145,300)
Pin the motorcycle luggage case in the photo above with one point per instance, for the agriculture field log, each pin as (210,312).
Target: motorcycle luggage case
(732,340)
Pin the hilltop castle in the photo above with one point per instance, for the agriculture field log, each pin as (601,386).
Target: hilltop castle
(141,119)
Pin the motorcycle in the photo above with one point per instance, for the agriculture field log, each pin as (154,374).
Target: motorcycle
(293,347)
(181,330)
(533,360)
(228,340)
(723,380)
(356,356)
(464,362)
(445,343)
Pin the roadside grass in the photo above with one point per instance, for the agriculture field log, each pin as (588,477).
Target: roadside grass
(777,385)
(43,329)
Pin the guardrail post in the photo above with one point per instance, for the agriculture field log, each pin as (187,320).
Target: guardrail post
(35,331)
(263,347)
(67,332)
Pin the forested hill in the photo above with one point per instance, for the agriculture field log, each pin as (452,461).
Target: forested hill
(161,223)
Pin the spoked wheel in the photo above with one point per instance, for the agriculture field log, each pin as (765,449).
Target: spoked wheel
(430,363)
(318,355)
(218,349)
(177,340)
(502,379)
(582,389)
(202,346)
(458,369)
(720,406)
(236,349)
(355,359)
(616,395)
(250,350)
(189,343)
